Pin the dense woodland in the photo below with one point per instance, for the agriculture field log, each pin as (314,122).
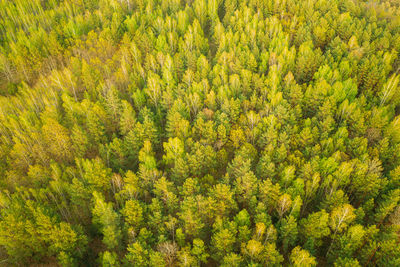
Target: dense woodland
(200,133)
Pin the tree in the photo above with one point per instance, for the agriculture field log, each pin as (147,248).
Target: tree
(29,229)
(314,228)
(253,250)
(107,221)
(185,258)
(307,62)
(164,190)
(288,232)
(173,150)
(58,141)
(283,205)
(387,205)
(95,173)
(222,243)
(201,132)
(232,259)
(198,250)
(169,251)
(269,193)
(133,213)
(224,201)
(346,245)
(153,89)
(301,257)
(109,259)
(137,255)
(340,217)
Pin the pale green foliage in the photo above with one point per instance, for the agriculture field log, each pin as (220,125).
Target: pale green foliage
(199,133)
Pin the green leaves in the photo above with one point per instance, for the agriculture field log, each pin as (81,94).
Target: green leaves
(29,229)
(202,132)
(314,228)
(107,221)
(173,150)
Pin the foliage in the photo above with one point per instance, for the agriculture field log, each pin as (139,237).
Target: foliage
(200,133)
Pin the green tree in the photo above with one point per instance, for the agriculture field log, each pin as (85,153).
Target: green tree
(314,228)
(107,221)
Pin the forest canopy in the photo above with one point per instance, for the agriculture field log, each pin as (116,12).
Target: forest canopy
(200,133)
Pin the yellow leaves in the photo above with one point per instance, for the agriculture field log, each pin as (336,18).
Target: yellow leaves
(131,185)
(63,237)
(153,89)
(252,121)
(346,109)
(393,129)
(253,248)
(194,102)
(259,231)
(276,98)
(315,226)
(234,82)
(223,241)
(321,33)
(237,137)
(341,217)
(306,137)
(133,213)
(224,199)
(390,90)
(284,204)
(57,140)
(200,10)
(174,149)
(28,229)
(302,258)
(95,173)
(162,188)
(205,87)
(269,193)
(312,185)
(177,126)
(353,44)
